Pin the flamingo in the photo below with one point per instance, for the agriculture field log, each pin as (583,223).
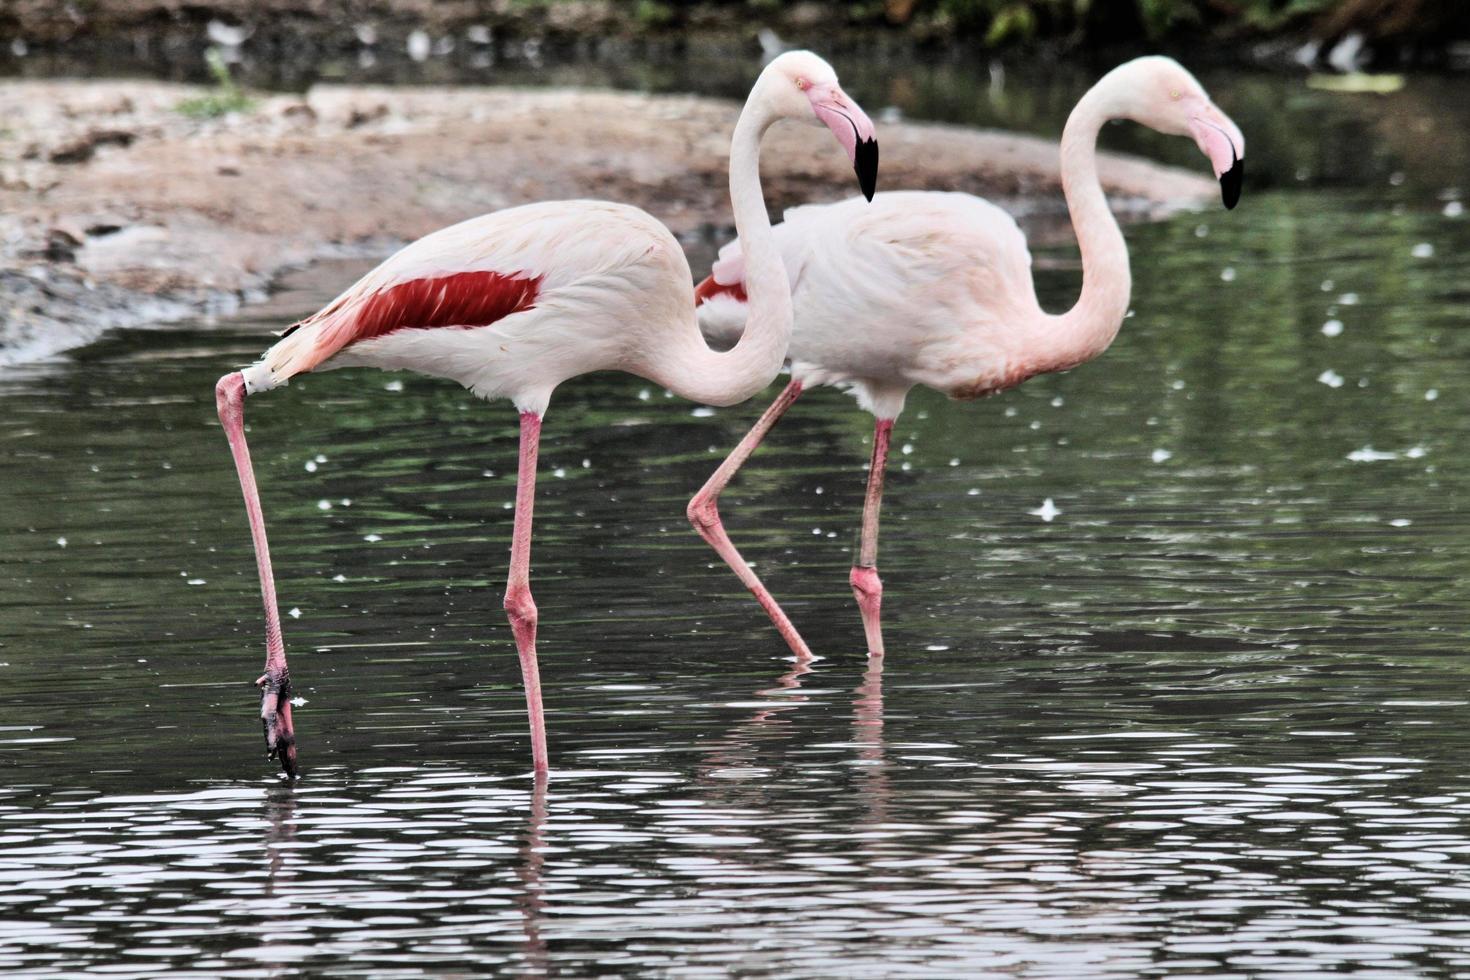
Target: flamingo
(513,303)
(935,289)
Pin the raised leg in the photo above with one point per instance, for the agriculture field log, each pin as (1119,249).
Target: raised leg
(704,514)
(866,586)
(275,683)
(519,605)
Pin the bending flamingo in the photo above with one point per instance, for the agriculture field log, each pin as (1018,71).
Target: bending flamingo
(935,289)
(513,303)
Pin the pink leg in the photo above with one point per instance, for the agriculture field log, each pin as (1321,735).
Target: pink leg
(519,605)
(866,585)
(704,514)
(275,683)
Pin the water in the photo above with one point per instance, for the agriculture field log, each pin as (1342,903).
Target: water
(1208,719)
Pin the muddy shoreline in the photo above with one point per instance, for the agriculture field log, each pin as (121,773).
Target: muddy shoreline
(118,210)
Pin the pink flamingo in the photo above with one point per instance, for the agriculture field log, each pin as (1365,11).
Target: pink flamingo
(513,303)
(935,289)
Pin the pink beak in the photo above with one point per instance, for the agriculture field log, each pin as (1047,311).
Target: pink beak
(1221,141)
(853,129)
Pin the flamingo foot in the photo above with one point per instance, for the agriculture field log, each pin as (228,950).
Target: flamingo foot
(275,717)
(867,588)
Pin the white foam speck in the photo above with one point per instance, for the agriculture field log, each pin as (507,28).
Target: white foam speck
(295,612)
(1048,510)
(1400,522)
(1161,455)
(1424,250)
(1431,394)
(1453,209)
(1330,378)
(61,541)
(1332,328)
(702,412)
(323,505)
(311,466)
(372,537)
(196,581)
(1370,455)
(1227,274)
(393,386)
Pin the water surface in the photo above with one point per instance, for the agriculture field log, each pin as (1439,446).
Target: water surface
(1208,719)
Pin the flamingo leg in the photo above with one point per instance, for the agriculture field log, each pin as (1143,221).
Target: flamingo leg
(704,514)
(275,683)
(519,606)
(867,588)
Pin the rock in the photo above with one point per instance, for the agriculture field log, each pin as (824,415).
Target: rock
(82,149)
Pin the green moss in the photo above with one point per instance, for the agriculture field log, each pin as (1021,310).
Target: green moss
(223,99)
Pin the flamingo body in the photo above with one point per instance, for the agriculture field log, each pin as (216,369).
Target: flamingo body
(513,303)
(508,304)
(935,289)
(918,288)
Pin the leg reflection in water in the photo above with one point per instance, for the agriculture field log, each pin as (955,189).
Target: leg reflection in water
(280,835)
(867,736)
(532,897)
(760,741)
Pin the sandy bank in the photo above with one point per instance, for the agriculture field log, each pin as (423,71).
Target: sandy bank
(118,210)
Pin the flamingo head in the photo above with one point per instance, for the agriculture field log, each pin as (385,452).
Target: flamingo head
(1159,93)
(800,85)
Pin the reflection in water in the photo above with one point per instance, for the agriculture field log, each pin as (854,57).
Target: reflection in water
(1070,862)
(532,897)
(867,735)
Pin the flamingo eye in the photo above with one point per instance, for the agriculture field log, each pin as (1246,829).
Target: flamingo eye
(801,83)
(1176,95)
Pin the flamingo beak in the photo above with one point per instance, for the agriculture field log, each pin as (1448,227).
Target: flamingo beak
(1221,140)
(853,129)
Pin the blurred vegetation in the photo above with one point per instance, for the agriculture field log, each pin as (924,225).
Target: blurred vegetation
(223,99)
(1397,27)
(1005,21)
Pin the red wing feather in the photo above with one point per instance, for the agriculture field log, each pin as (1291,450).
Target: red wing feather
(709,289)
(459,300)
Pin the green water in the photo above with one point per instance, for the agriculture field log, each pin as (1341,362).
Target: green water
(1208,719)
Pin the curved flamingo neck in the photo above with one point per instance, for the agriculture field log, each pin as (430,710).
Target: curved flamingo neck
(694,371)
(1092,323)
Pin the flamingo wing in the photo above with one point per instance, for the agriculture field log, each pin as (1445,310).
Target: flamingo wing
(468,275)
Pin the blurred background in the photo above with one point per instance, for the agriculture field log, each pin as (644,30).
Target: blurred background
(308,39)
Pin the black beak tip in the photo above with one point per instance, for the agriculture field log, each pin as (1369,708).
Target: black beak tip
(865,162)
(1230,183)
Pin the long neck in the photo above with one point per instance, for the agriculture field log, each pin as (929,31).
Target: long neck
(700,374)
(1090,325)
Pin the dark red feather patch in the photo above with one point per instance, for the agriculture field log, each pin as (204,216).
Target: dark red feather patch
(464,299)
(461,299)
(709,289)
